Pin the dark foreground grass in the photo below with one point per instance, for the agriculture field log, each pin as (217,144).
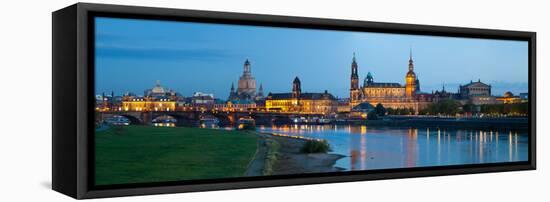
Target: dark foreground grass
(140,154)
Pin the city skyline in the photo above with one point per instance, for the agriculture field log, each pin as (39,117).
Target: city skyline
(189,57)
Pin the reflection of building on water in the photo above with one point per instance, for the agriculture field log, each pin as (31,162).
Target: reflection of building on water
(164,121)
(396,147)
(359,156)
(411,148)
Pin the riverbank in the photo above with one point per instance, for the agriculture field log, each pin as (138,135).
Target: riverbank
(289,159)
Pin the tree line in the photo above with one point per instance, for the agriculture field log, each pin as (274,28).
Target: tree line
(453,107)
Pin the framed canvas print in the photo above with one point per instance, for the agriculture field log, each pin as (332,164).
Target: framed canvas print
(154,100)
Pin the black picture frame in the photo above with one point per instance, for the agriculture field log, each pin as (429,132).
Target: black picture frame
(73,100)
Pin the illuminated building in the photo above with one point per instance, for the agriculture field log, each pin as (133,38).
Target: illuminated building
(298,102)
(390,95)
(158,90)
(148,104)
(509,98)
(200,98)
(355,92)
(410,80)
(246,87)
(157,98)
(236,106)
(474,89)
(477,93)
(362,110)
(107,103)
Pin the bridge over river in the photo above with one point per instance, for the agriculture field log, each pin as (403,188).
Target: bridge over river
(192,118)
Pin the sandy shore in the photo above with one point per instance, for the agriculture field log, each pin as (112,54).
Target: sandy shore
(289,158)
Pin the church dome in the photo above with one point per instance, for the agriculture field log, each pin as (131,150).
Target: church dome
(411,74)
(368,80)
(508,94)
(158,88)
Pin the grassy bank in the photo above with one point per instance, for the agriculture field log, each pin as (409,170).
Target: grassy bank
(137,154)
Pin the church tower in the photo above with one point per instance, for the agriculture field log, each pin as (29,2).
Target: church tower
(296,88)
(410,79)
(246,88)
(232,93)
(260,92)
(355,93)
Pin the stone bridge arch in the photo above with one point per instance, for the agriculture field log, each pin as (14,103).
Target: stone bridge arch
(182,118)
(134,118)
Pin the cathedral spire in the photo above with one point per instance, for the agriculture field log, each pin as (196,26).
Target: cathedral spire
(261,91)
(411,65)
(354,73)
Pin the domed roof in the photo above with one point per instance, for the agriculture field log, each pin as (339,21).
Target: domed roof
(508,94)
(411,74)
(158,88)
(369,75)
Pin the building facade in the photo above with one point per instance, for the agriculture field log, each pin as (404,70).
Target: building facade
(474,89)
(298,102)
(510,98)
(157,98)
(390,95)
(246,86)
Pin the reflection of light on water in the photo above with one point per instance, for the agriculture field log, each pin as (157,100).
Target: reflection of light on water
(438,146)
(510,146)
(428,143)
(496,143)
(438,136)
(363,130)
(428,136)
(394,147)
(481,144)
(363,150)
(516,145)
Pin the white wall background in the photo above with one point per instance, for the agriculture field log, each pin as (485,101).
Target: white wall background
(25,83)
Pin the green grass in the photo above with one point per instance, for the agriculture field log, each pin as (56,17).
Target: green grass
(139,154)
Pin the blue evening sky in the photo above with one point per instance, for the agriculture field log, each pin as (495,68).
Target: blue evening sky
(132,54)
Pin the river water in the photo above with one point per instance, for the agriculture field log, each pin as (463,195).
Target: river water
(368,148)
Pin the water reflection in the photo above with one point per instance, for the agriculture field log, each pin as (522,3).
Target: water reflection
(390,147)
